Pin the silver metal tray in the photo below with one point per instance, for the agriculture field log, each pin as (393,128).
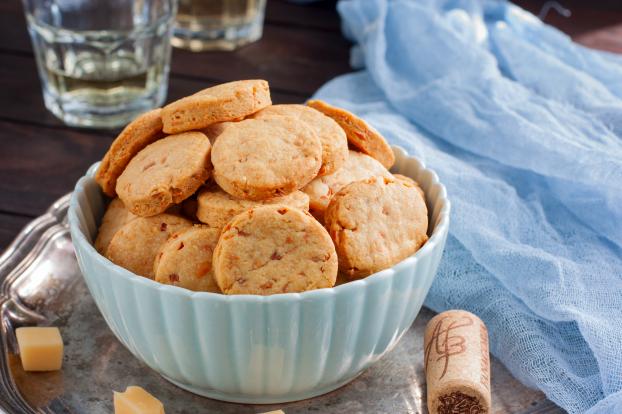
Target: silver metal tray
(40,284)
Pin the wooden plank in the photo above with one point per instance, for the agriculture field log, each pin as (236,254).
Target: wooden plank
(10,225)
(609,39)
(39,164)
(290,60)
(319,15)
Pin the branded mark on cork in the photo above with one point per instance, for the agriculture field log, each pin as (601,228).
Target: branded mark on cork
(485,360)
(444,344)
(459,403)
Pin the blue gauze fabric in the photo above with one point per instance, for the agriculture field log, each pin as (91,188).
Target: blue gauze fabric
(524,128)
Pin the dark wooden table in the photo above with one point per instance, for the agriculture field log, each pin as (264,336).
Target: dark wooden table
(302,48)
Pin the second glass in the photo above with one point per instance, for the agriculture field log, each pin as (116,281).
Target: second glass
(218,24)
(101,62)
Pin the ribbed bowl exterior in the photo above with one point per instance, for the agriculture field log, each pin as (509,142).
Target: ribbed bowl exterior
(260,349)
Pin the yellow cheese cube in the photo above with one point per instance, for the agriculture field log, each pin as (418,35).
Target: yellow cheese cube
(136,400)
(40,349)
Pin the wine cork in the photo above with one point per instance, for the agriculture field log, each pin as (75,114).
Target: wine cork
(457,364)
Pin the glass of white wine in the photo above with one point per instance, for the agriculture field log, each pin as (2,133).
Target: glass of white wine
(218,24)
(101,62)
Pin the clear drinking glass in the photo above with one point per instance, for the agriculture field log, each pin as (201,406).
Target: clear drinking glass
(101,62)
(218,24)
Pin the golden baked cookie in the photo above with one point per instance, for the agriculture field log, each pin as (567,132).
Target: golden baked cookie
(274,249)
(257,159)
(165,173)
(185,260)
(137,243)
(408,180)
(358,166)
(225,102)
(360,134)
(331,135)
(216,207)
(214,130)
(115,217)
(139,133)
(375,224)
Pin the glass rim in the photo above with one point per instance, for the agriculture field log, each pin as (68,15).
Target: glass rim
(168,17)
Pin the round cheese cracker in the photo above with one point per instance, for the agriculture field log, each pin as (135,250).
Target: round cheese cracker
(360,134)
(185,260)
(408,180)
(139,133)
(213,131)
(137,243)
(331,135)
(115,217)
(226,102)
(375,224)
(358,166)
(274,249)
(216,207)
(257,159)
(165,173)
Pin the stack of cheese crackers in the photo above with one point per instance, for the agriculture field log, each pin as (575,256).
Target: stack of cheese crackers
(222,191)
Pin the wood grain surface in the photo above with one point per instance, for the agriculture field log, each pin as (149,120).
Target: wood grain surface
(302,48)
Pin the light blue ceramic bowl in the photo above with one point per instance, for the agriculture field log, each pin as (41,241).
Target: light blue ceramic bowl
(260,349)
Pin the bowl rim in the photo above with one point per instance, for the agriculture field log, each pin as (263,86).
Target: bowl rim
(439,231)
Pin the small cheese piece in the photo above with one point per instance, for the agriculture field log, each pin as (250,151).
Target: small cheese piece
(275,412)
(40,349)
(136,400)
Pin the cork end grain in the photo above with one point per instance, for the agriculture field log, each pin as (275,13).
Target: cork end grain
(457,402)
